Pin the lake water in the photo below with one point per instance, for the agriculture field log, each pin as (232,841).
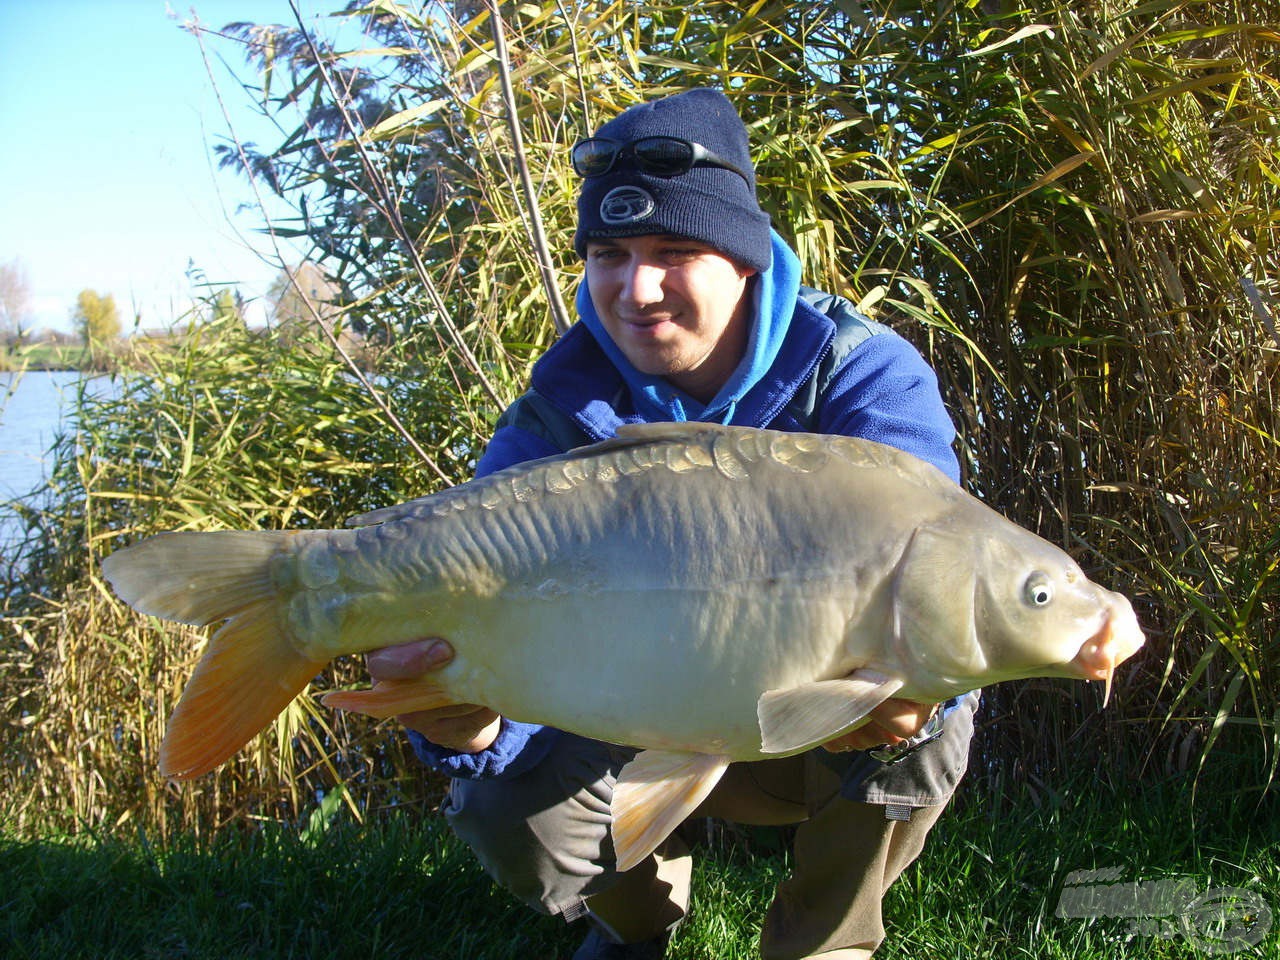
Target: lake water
(33,406)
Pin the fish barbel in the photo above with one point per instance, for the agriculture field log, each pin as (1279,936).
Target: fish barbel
(708,594)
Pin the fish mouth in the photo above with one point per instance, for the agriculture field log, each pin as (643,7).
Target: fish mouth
(1117,639)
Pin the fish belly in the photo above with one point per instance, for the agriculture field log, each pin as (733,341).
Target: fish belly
(666,668)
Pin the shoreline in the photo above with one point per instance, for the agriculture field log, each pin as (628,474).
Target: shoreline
(49,357)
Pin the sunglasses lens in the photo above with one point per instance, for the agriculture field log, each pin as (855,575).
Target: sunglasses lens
(656,156)
(593,157)
(663,156)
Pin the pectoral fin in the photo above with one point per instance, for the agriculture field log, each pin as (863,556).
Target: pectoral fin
(655,792)
(388,698)
(813,713)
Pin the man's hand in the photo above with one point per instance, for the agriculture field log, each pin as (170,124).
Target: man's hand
(464,727)
(891,722)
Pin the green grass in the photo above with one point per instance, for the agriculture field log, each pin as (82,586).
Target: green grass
(403,887)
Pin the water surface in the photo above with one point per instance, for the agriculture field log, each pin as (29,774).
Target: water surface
(34,406)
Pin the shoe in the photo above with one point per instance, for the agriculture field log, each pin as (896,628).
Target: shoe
(598,946)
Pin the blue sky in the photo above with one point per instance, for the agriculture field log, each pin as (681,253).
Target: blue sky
(106,177)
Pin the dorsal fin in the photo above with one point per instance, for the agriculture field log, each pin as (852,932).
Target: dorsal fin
(631,433)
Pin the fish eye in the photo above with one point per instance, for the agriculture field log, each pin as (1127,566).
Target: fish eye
(1038,590)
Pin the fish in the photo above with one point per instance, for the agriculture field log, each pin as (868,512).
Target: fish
(706,594)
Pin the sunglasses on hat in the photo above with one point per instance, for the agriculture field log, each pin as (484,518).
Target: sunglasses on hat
(656,156)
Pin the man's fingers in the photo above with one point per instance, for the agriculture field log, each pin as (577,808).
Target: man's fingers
(461,726)
(864,738)
(443,719)
(891,722)
(468,732)
(901,719)
(449,713)
(408,660)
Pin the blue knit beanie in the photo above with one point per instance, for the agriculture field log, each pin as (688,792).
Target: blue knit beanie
(708,203)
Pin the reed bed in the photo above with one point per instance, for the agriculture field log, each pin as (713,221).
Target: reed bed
(229,429)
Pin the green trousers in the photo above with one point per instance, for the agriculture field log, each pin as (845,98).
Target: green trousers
(545,836)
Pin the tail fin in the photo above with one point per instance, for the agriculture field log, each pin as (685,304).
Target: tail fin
(250,671)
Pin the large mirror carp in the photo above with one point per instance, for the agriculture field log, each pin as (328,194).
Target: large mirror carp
(709,594)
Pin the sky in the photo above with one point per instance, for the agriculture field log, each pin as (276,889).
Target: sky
(107,181)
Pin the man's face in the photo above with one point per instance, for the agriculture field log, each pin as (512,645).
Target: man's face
(676,308)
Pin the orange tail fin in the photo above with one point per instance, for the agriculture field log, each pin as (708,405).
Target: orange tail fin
(251,670)
(247,676)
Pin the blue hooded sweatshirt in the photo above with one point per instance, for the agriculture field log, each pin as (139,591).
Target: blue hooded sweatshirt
(812,364)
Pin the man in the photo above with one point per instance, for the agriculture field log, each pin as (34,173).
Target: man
(691,309)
